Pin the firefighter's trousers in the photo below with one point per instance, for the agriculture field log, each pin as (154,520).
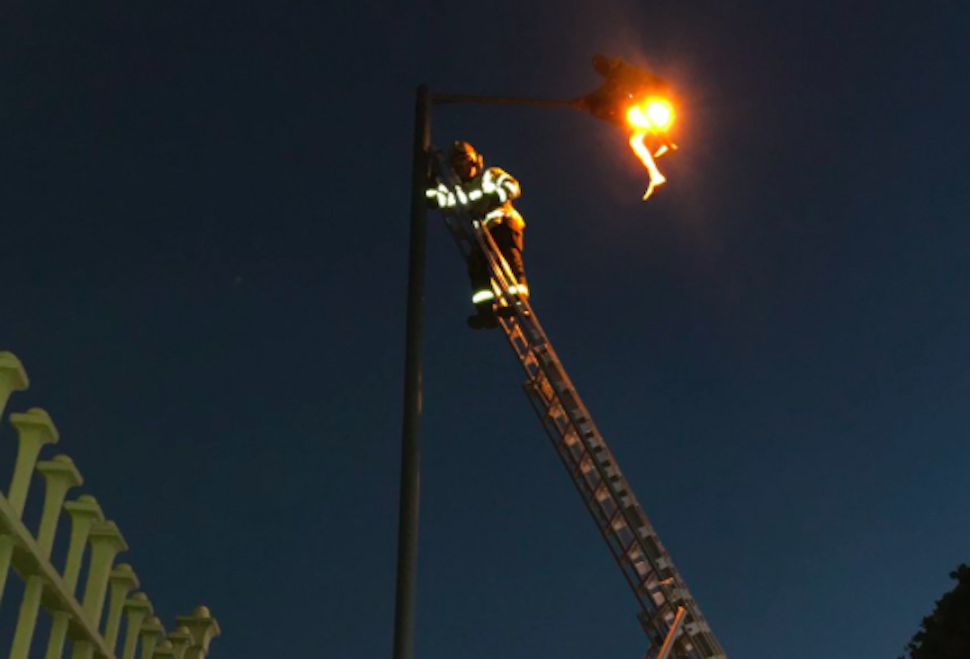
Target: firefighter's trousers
(510,243)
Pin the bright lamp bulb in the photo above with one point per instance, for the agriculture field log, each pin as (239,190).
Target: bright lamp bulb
(660,113)
(655,114)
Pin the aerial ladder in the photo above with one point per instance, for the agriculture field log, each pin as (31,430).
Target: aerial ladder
(668,613)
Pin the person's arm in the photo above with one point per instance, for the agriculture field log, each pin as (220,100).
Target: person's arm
(438,195)
(500,183)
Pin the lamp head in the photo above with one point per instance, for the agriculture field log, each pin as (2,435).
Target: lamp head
(626,87)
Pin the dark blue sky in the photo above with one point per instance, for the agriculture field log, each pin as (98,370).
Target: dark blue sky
(203,261)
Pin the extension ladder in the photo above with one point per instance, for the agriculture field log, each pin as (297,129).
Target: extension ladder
(668,613)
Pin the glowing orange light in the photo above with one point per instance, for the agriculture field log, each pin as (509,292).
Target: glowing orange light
(655,114)
(639,148)
(661,114)
(637,118)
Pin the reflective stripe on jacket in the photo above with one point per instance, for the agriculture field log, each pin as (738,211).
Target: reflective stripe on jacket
(488,198)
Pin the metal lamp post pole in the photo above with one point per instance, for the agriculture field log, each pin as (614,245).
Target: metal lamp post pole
(407,556)
(407,548)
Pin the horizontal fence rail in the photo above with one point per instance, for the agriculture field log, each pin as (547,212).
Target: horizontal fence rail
(79,622)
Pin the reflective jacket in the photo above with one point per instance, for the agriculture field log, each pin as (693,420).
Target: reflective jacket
(488,197)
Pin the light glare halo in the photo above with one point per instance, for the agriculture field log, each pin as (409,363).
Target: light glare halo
(654,114)
(660,113)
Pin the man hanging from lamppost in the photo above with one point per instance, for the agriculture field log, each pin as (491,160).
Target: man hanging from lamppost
(487,195)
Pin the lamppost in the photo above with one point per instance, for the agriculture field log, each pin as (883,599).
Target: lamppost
(626,91)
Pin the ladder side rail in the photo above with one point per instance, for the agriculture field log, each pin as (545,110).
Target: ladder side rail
(603,521)
(659,560)
(577,413)
(632,512)
(643,529)
(500,267)
(503,276)
(605,461)
(696,624)
(610,522)
(587,493)
(592,440)
(661,613)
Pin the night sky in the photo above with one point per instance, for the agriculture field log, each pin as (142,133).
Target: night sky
(203,268)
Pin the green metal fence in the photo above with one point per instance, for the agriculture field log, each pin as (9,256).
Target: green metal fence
(79,623)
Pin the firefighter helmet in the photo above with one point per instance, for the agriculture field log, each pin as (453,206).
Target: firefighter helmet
(464,154)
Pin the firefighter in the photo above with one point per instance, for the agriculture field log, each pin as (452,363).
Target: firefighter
(488,195)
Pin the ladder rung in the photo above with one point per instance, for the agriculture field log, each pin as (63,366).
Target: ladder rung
(642,567)
(648,582)
(550,410)
(569,438)
(616,520)
(536,397)
(657,618)
(531,367)
(629,552)
(600,494)
(579,471)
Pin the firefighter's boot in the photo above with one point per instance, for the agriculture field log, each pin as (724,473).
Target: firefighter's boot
(484,319)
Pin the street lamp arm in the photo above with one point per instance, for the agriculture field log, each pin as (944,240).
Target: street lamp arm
(478,99)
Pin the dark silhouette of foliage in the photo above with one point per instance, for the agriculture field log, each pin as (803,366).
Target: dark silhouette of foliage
(946,633)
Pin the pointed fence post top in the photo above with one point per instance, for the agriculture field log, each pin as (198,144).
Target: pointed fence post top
(60,475)
(61,467)
(152,627)
(107,533)
(181,638)
(34,430)
(140,602)
(124,574)
(165,650)
(202,626)
(35,423)
(85,507)
(13,377)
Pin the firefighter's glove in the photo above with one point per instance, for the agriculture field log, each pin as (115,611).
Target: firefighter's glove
(440,197)
(445,197)
(431,191)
